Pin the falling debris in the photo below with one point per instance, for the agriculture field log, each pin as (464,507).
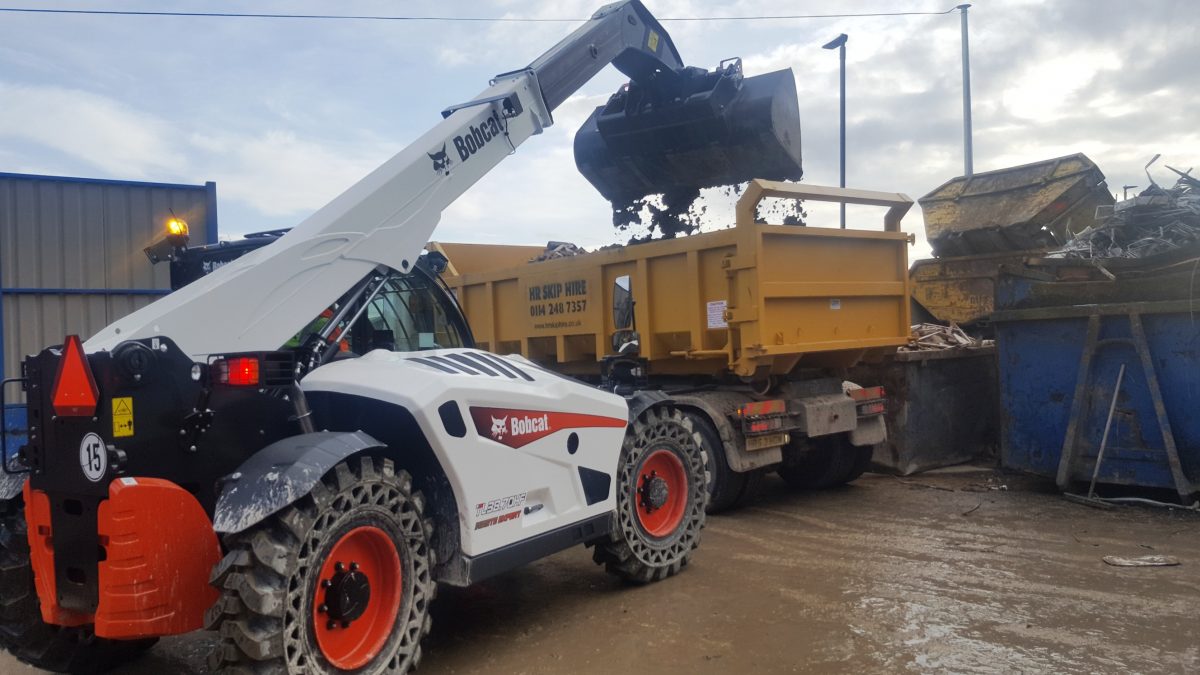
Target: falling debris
(780,212)
(559,249)
(682,212)
(933,336)
(677,215)
(1156,221)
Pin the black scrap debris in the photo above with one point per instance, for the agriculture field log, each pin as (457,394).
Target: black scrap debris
(559,249)
(683,211)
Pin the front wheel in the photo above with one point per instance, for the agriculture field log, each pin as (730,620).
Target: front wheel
(661,497)
(339,582)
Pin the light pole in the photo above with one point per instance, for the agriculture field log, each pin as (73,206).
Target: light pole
(968,160)
(839,43)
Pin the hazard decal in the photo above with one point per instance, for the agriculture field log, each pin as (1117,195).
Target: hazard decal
(516,428)
(122,416)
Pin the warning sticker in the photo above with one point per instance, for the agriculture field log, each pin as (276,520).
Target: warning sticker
(716,314)
(122,416)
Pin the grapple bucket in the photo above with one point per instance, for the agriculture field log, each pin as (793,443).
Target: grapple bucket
(699,129)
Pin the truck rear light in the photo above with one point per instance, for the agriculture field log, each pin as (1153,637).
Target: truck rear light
(238,371)
(758,408)
(762,417)
(762,426)
(875,408)
(75,391)
(867,393)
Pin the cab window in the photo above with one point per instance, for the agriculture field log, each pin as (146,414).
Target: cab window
(406,316)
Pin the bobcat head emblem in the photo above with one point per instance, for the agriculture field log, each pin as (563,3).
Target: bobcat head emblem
(499,427)
(441,162)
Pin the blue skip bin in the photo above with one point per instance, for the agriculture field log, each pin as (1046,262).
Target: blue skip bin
(1058,371)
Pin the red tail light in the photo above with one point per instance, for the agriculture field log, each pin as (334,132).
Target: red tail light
(876,408)
(238,371)
(758,408)
(763,426)
(75,392)
(867,393)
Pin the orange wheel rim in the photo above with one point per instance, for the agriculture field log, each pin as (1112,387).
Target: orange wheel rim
(357,597)
(660,493)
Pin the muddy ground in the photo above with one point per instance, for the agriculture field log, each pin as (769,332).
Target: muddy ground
(940,572)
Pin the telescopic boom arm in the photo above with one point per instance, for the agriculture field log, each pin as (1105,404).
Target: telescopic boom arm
(261,300)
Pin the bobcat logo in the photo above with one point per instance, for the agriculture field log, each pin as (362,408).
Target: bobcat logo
(441,161)
(499,427)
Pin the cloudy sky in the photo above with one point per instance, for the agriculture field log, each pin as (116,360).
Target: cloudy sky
(284,114)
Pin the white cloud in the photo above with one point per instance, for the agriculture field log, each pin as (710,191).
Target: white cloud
(274,171)
(104,133)
(280,174)
(1047,89)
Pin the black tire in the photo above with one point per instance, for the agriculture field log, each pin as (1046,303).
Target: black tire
(863,454)
(726,487)
(22,631)
(754,483)
(269,579)
(631,551)
(823,462)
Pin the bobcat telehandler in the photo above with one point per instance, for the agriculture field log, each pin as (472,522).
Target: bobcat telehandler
(294,452)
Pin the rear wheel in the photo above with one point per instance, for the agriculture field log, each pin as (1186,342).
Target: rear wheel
(339,582)
(661,497)
(22,631)
(863,454)
(726,487)
(825,461)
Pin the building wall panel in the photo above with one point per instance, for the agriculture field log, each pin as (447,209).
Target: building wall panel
(71,258)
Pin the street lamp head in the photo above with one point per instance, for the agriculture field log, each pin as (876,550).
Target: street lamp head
(963,7)
(838,41)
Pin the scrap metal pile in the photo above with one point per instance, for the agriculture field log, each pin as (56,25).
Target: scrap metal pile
(1156,221)
(934,336)
(559,249)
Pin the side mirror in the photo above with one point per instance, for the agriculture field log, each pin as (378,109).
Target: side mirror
(438,262)
(622,304)
(625,339)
